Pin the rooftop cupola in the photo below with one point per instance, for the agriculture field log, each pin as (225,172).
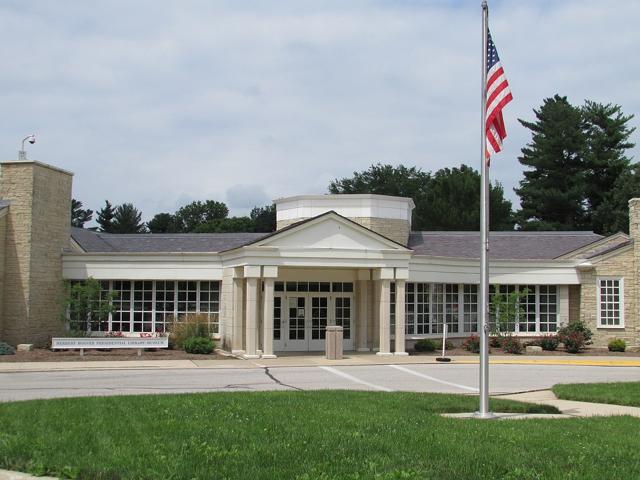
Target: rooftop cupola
(386,215)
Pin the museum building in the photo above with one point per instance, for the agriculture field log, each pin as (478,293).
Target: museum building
(348,260)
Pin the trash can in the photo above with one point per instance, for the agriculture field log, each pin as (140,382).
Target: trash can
(333,342)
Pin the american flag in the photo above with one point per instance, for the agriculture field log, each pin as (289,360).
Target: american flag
(498,95)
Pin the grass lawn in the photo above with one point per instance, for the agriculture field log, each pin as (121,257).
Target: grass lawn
(307,435)
(620,393)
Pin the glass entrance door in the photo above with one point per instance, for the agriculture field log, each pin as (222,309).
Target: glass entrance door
(344,318)
(319,322)
(297,338)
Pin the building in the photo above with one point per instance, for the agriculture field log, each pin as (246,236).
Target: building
(349,260)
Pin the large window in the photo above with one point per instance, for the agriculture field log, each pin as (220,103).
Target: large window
(431,305)
(149,305)
(610,303)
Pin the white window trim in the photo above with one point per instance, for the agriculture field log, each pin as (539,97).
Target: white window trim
(621,309)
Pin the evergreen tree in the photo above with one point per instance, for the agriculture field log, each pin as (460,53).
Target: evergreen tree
(105,217)
(79,216)
(552,193)
(127,219)
(163,223)
(608,169)
(264,218)
(226,225)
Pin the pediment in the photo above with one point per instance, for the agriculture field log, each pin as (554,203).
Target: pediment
(330,231)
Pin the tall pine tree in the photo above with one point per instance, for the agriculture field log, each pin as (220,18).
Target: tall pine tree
(609,173)
(552,192)
(127,219)
(105,217)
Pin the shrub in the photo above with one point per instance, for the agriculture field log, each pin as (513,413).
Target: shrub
(574,342)
(200,345)
(193,325)
(512,345)
(496,342)
(448,345)
(6,349)
(549,342)
(425,345)
(617,345)
(472,344)
(577,326)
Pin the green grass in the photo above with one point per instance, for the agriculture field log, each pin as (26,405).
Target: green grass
(620,393)
(308,435)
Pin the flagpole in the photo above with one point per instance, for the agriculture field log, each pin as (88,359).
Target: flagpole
(483,411)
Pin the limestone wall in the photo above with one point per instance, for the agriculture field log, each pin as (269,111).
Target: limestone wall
(3,233)
(574,303)
(620,265)
(38,229)
(226,307)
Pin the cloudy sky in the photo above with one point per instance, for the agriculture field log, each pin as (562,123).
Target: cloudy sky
(160,103)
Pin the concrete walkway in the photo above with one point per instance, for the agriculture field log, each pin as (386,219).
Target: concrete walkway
(573,408)
(351,359)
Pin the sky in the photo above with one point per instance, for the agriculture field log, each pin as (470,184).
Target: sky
(162,103)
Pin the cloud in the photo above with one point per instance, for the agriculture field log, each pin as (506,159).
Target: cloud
(249,101)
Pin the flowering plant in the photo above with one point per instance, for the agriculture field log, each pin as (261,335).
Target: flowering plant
(114,334)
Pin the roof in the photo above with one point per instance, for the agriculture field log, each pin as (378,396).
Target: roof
(503,245)
(98,242)
(4,203)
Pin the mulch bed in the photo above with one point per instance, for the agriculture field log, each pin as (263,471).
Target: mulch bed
(589,352)
(46,355)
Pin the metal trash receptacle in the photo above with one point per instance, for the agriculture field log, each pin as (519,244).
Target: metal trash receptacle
(333,342)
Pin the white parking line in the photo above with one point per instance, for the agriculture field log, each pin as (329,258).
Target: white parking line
(422,375)
(356,380)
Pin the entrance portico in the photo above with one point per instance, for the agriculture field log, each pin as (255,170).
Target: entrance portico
(294,288)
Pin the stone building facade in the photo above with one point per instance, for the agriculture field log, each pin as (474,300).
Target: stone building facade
(36,233)
(348,260)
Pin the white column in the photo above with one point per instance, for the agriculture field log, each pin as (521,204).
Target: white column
(385,321)
(251,324)
(267,322)
(237,332)
(362,324)
(400,320)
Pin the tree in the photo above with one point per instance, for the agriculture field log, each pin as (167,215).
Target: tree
(453,202)
(191,216)
(607,167)
(398,181)
(87,306)
(127,219)
(613,213)
(79,216)
(226,225)
(162,223)
(264,218)
(105,217)
(552,193)
(446,200)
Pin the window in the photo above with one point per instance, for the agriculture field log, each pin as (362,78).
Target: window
(430,305)
(548,308)
(470,303)
(610,303)
(149,306)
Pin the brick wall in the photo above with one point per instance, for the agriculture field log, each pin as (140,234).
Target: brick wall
(38,229)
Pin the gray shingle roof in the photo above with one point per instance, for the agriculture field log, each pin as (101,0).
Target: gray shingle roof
(4,203)
(96,242)
(503,245)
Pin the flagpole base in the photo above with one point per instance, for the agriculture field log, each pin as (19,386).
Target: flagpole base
(484,416)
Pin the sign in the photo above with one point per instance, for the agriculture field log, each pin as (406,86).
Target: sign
(110,342)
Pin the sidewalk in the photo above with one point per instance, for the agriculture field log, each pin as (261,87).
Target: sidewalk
(571,407)
(351,359)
